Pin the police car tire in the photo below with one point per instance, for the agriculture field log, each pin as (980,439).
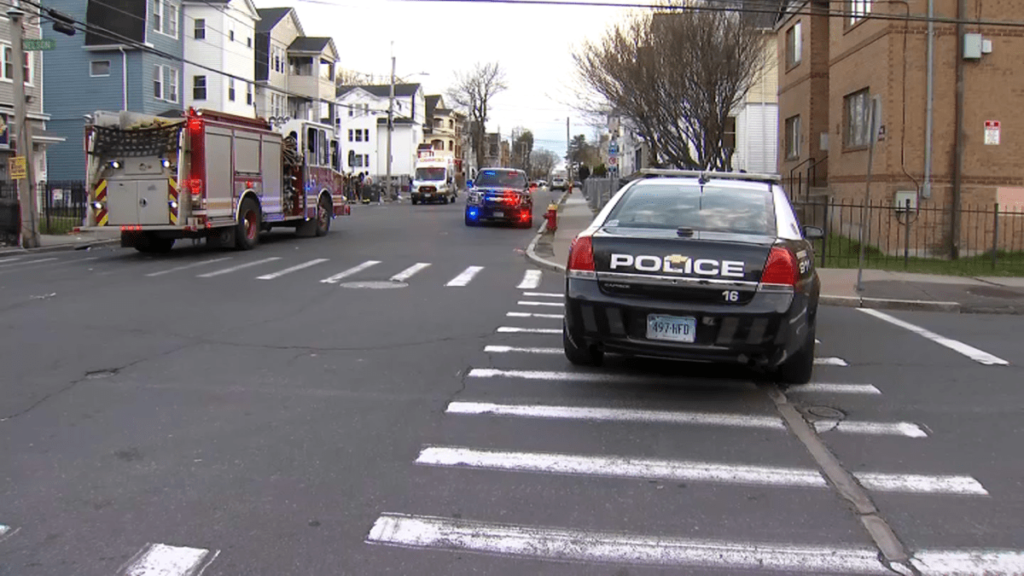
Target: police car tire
(798,368)
(579,356)
(444,199)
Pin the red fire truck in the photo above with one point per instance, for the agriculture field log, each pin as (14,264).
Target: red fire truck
(209,175)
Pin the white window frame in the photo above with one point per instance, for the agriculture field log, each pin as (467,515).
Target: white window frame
(794,45)
(158,80)
(250,96)
(206,87)
(199,25)
(159,8)
(92,73)
(857,11)
(173,91)
(231,89)
(4,47)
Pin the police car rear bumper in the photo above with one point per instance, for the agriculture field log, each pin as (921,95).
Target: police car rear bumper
(763,332)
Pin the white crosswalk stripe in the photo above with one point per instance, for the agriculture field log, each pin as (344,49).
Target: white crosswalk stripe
(164,560)
(295,268)
(409,272)
(465,277)
(353,270)
(13,265)
(519,330)
(6,531)
(532,315)
(496,349)
(979,356)
(531,279)
(533,303)
(835,388)
(543,294)
(16,258)
(186,267)
(828,361)
(223,271)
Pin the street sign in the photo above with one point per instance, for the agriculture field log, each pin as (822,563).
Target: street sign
(613,148)
(33,44)
(16,168)
(992,128)
(613,160)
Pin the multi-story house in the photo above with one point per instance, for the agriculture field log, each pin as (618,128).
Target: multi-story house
(833,68)
(757,115)
(220,34)
(362,128)
(33,105)
(106,68)
(294,73)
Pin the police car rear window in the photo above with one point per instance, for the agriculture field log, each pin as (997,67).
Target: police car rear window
(713,209)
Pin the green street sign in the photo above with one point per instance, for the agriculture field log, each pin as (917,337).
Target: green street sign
(33,44)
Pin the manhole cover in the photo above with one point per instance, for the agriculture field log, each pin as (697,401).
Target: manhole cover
(824,412)
(375,285)
(994,292)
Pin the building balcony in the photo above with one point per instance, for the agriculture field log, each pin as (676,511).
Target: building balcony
(312,87)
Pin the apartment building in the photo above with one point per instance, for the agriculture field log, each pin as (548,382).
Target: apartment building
(220,34)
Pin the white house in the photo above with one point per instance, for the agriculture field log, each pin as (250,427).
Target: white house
(757,121)
(362,128)
(220,34)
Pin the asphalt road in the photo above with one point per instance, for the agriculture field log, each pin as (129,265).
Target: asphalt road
(295,410)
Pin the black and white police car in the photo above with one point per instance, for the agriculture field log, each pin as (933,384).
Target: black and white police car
(701,266)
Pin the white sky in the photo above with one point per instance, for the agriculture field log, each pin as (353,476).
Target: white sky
(533,44)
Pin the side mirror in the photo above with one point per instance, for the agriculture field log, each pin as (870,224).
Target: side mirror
(813,233)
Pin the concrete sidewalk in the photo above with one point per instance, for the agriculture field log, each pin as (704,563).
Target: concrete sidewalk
(881,289)
(72,241)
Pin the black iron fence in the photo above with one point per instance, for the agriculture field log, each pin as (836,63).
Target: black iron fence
(63,207)
(989,241)
(9,219)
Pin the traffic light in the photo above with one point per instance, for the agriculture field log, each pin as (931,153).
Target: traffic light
(62,22)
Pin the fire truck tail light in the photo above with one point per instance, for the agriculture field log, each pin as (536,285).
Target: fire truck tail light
(195,124)
(195,185)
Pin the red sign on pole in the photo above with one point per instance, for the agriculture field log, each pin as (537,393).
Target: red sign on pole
(992,129)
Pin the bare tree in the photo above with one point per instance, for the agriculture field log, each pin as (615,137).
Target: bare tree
(472,92)
(522,147)
(677,75)
(345,77)
(542,162)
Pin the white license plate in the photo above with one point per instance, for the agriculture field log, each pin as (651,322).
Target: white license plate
(426,195)
(674,328)
(499,214)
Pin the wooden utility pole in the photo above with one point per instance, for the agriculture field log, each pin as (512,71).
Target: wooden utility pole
(26,184)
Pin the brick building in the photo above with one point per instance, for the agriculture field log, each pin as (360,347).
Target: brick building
(831,66)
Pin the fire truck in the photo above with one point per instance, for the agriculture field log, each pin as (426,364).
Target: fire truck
(209,175)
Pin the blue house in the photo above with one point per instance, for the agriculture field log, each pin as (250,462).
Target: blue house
(130,59)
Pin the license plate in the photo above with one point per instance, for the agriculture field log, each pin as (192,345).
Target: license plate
(674,328)
(499,214)
(426,195)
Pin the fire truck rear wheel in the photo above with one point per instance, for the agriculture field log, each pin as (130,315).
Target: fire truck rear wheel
(247,231)
(323,216)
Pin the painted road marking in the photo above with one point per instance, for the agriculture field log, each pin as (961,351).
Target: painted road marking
(164,560)
(532,315)
(518,330)
(532,303)
(830,362)
(549,375)
(835,388)
(465,277)
(409,272)
(676,417)
(687,470)
(584,546)
(6,531)
(620,467)
(353,270)
(544,294)
(531,279)
(995,562)
(187,266)
(296,268)
(28,263)
(514,349)
(237,268)
(2,260)
(971,352)
(615,415)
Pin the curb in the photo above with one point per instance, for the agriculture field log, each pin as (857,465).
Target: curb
(531,253)
(44,249)
(891,304)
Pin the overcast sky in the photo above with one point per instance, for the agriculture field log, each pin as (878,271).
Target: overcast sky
(533,44)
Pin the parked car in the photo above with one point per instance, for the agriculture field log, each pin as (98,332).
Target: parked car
(695,266)
(558,183)
(500,195)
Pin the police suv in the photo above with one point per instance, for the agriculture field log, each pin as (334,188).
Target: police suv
(702,266)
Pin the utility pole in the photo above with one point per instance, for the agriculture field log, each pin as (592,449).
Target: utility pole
(568,166)
(26,186)
(391,113)
(958,149)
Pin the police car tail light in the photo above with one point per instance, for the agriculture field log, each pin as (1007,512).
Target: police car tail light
(581,255)
(780,269)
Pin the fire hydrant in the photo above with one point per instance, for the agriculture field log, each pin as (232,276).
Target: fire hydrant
(552,217)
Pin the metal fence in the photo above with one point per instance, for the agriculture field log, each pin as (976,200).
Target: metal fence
(9,216)
(63,207)
(599,190)
(990,240)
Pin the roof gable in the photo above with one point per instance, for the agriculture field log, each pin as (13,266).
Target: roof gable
(271,17)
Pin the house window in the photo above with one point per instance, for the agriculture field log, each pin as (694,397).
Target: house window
(351,112)
(794,43)
(172,84)
(231,34)
(231,89)
(856,11)
(158,82)
(277,60)
(199,87)
(248,94)
(793,137)
(350,136)
(200,30)
(165,17)
(359,135)
(248,41)
(99,68)
(858,125)
(27,68)
(451,145)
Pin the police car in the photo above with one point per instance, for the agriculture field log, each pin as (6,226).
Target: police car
(700,266)
(500,195)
